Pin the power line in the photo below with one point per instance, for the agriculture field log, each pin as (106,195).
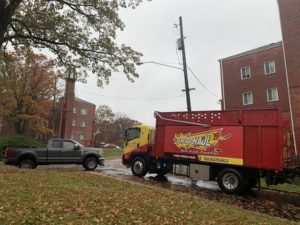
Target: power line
(166,64)
(203,85)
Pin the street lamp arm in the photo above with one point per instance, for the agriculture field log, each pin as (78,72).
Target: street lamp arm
(161,64)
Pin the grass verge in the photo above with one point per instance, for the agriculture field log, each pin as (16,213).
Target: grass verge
(112,153)
(55,197)
(294,187)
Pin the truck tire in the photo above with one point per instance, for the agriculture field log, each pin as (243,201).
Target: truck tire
(231,181)
(139,167)
(90,163)
(26,163)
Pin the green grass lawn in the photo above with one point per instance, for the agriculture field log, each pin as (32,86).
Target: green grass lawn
(56,197)
(295,186)
(112,153)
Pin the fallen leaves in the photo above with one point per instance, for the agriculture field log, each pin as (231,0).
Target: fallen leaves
(57,197)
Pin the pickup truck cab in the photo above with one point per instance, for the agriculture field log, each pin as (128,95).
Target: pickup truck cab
(58,151)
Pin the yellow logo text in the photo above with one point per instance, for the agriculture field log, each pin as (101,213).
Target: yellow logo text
(202,141)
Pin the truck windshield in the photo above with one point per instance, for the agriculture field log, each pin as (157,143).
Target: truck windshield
(133,133)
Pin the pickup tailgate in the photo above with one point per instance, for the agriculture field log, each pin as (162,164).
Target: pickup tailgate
(12,155)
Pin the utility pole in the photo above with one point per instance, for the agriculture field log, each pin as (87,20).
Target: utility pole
(186,81)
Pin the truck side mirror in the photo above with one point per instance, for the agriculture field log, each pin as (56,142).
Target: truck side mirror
(76,146)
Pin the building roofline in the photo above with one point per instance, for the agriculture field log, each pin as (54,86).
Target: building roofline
(78,100)
(252,51)
(83,101)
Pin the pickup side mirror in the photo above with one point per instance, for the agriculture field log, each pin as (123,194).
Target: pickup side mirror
(76,146)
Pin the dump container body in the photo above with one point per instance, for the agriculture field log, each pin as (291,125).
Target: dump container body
(249,138)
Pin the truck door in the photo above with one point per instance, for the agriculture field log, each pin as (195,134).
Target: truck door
(70,153)
(63,151)
(138,138)
(54,151)
(132,140)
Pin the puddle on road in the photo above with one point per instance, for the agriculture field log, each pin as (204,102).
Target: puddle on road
(172,179)
(115,167)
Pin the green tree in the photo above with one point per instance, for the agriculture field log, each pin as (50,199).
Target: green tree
(110,127)
(104,115)
(27,85)
(121,123)
(103,124)
(80,33)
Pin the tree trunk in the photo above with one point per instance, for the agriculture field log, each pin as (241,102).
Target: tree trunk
(19,127)
(7,10)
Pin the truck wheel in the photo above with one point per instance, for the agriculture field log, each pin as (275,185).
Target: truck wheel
(26,164)
(231,181)
(139,167)
(90,163)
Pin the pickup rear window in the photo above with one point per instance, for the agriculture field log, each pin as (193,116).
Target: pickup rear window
(56,144)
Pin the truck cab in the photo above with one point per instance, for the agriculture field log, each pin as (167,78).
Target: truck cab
(138,140)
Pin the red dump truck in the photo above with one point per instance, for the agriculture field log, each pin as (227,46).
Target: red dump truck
(235,147)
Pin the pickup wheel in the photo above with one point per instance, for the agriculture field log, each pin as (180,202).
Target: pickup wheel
(90,163)
(139,167)
(232,181)
(26,164)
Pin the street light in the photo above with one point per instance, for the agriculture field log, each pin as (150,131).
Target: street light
(186,90)
(161,64)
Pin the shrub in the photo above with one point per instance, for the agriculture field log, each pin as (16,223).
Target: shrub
(17,141)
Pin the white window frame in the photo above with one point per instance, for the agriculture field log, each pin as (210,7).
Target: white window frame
(74,110)
(82,124)
(83,111)
(82,137)
(265,67)
(251,98)
(275,92)
(73,123)
(245,76)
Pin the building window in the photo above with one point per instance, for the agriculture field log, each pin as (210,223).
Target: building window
(82,137)
(82,124)
(272,94)
(72,136)
(245,72)
(73,123)
(74,110)
(247,98)
(269,67)
(83,111)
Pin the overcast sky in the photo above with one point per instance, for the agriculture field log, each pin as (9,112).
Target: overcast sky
(214,29)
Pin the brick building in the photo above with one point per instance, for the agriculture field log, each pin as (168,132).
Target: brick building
(268,76)
(75,117)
